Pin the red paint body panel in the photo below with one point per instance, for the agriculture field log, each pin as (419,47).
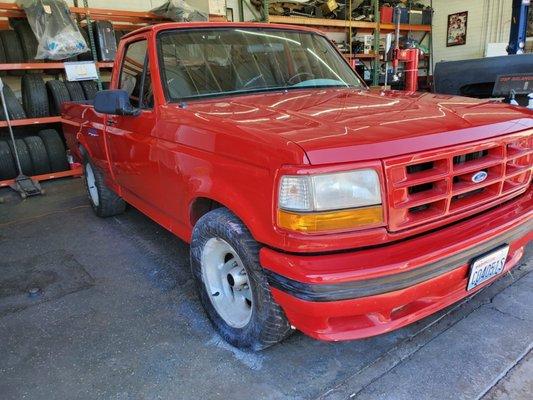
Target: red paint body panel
(233,150)
(375,315)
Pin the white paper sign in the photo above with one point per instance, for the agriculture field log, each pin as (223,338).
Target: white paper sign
(81,71)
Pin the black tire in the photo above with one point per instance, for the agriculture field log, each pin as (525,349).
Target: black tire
(12,49)
(7,163)
(87,56)
(108,202)
(14,108)
(75,91)
(3,59)
(34,96)
(268,324)
(27,39)
(57,95)
(24,156)
(38,154)
(57,156)
(90,88)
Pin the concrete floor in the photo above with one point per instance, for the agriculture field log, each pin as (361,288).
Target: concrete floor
(118,318)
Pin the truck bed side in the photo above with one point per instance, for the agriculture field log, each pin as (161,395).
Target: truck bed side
(83,127)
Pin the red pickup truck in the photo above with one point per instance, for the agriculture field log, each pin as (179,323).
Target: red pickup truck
(310,201)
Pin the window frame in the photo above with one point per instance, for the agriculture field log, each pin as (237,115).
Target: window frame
(146,65)
(161,63)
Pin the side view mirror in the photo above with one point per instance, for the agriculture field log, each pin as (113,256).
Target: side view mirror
(114,102)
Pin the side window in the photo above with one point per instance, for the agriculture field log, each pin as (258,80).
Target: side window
(135,75)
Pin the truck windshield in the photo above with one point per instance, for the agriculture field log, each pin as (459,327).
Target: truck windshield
(212,62)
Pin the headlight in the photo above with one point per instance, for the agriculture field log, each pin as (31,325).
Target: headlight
(336,201)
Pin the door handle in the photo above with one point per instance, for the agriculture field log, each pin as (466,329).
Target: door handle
(110,121)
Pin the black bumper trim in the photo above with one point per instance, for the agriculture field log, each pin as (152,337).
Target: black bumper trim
(352,290)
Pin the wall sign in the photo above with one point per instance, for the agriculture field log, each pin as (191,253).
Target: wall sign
(456,34)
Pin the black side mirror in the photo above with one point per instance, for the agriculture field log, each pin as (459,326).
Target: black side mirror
(114,102)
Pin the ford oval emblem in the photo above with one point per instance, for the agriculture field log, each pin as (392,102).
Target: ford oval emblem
(479,177)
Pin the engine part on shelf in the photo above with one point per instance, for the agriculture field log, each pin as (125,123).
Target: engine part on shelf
(8,169)
(14,108)
(385,13)
(181,11)
(52,23)
(75,91)
(90,88)
(57,95)
(416,16)
(329,7)
(106,45)
(26,36)
(402,16)
(34,96)
(12,49)
(38,155)
(55,149)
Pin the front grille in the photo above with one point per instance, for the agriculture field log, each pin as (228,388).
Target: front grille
(436,184)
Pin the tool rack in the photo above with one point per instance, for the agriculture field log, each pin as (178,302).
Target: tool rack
(326,24)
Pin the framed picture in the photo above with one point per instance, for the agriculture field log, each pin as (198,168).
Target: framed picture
(456,34)
(229,14)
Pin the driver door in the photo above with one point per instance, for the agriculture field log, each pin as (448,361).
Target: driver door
(132,145)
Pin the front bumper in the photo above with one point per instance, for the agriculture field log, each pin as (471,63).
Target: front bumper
(367,292)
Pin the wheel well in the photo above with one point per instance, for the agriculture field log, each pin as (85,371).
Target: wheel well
(200,207)
(83,152)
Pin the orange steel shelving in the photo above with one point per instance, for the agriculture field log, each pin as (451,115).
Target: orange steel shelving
(121,19)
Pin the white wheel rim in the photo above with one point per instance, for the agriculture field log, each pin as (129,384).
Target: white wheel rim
(226,282)
(91,184)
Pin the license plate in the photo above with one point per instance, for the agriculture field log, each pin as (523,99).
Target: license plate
(487,266)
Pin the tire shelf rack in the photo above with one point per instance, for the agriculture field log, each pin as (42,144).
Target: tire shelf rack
(121,19)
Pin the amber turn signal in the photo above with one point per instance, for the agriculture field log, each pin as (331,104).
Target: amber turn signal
(330,220)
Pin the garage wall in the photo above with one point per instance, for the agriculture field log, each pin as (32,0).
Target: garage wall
(488,22)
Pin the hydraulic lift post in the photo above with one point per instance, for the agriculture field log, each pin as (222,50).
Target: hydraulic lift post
(517,37)
(408,56)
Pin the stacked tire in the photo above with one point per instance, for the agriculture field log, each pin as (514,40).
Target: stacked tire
(11,50)
(14,108)
(43,99)
(39,154)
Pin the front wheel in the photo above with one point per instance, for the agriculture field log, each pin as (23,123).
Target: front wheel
(232,286)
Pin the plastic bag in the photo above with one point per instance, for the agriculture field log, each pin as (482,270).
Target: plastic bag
(55,29)
(182,11)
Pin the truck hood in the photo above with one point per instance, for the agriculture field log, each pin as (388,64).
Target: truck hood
(344,125)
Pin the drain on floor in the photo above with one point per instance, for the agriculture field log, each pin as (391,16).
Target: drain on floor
(28,281)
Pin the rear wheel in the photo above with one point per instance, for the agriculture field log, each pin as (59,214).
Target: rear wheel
(104,201)
(232,285)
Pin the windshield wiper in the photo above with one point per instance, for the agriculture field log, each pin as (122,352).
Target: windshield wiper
(259,90)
